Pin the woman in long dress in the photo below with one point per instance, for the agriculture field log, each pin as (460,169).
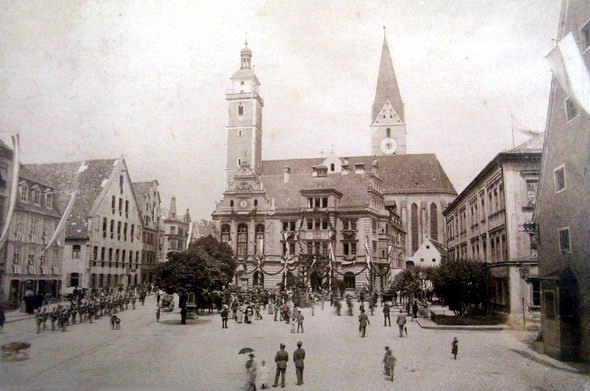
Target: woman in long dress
(241,314)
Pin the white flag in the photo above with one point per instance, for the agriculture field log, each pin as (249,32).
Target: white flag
(62,222)
(13,191)
(570,70)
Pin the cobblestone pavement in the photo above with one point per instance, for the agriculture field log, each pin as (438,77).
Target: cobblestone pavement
(203,356)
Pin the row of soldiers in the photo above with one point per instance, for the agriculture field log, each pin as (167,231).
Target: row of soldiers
(82,310)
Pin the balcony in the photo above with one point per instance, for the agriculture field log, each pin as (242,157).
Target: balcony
(315,235)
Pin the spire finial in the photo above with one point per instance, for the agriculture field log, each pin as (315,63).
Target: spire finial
(246,40)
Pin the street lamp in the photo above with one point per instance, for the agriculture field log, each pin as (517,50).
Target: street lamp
(422,278)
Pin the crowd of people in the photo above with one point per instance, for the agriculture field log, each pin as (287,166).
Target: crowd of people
(88,305)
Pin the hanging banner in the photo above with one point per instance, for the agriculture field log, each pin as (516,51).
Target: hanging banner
(62,222)
(14,190)
(190,234)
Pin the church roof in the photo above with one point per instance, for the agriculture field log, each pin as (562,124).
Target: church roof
(88,177)
(401,174)
(387,88)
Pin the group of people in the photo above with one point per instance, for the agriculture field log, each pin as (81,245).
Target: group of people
(82,307)
(261,373)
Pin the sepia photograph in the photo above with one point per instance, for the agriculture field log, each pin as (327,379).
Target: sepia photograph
(321,195)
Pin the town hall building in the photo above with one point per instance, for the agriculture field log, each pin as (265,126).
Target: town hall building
(367,214)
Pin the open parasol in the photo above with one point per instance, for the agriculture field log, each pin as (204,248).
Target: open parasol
(245,350)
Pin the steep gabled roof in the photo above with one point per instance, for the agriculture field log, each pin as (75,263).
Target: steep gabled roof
(439,246)
(387,88)
(88,177)
(401,174)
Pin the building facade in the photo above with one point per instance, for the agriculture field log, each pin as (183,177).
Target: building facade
(562,214)
(103,238)
(486,223)
(176,229)
(359,207)
(29,265)
(148,198)
(430,253)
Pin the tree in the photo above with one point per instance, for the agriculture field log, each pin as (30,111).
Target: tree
(205,266)
(460,283)
(408,281)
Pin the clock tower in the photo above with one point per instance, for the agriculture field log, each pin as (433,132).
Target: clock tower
(244,119)
(388,126)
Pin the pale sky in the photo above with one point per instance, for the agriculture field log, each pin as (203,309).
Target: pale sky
(147,79)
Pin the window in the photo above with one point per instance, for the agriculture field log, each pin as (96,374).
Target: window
(352,248)
(112,229)
(433,259)
(132,232)
(126,208)
(110,255)
(120,206)
(535,293)
(121,184)
(388,132)
(242,249)
(571,110)
(76,251)
(309,223)
(325,201)
(239,132)
(332,167)
(36,197)
(74,279)
(113,204)
(324,223)
(102,252)
(225,235)
(291,248)
(16,255)
(240,109)
(531,189)
(95,253)
(118,230)
(564,240)
(24,192)
(125,232)
(173,229)
(231,203)
(259,237)
(559,178)
(239,162)
(586,36)
(433,221)
(255,202)
(414,227)
(346,248)
(349,280)
(317,202)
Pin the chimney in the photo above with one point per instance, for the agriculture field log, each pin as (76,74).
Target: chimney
(172,211)
(286,174)
(359,168)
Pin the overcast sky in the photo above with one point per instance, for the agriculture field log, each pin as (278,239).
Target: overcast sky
(147,79)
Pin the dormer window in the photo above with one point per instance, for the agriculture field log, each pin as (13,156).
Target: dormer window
(240,109)
(24,192)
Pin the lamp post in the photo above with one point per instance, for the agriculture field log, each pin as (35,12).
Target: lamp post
(524,271)
(421,278)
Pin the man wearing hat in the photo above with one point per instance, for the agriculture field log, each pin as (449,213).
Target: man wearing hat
(251,373)
(281,358)
(224,316)
(298,357)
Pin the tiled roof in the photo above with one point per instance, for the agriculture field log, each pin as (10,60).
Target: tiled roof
(354,188)
(141,190)
(439,246)
(88,177)
(535,144)
(401,174)
(25,173)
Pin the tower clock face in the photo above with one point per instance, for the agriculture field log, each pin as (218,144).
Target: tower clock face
(388,146)
(243,204)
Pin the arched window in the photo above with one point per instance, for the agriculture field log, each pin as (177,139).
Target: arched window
(258,279)
(332,167)
(349,280)
(259,244)
(255,202)
(240,109)
(225,233)
(388,131)
(231,203)
(433,221)
(240,133)
(414,227)
(121,183)
(242,249)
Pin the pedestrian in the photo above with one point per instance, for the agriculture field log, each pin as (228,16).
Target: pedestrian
(251,373)
(158,298)
(38,319)
(133,300)
(281,358)
(363,322)
(224,316)
(298,357)
(401,323)
(414,310)
(183,312)
(300,319)
(234,309)
(158,314)
(264,375)
(389,362)
(455,347)
(386,317)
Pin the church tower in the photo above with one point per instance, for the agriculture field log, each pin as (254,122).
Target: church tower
(388,126)
(244,119)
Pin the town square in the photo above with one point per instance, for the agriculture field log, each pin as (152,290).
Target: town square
(299,195)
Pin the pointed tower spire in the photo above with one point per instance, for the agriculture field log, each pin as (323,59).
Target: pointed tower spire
(387,88)
(172,211)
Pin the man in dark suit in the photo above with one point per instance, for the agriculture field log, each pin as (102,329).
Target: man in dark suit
(298,357)
(386,317)
(281,358)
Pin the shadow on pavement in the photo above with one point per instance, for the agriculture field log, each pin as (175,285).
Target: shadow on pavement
(176,322)
(581,371)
